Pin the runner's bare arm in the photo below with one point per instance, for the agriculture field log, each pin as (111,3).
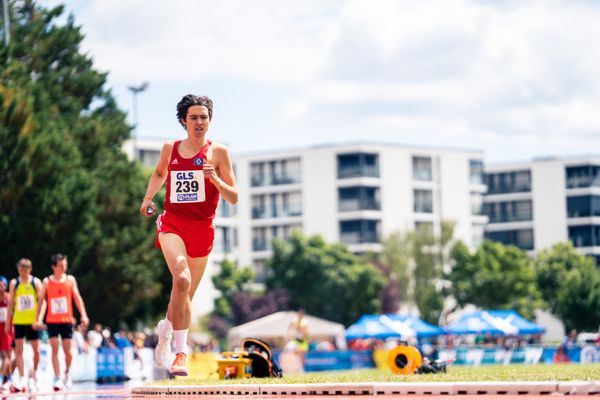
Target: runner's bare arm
(221,174)
(40,288)
(11,305)
(158,177)
(79,301)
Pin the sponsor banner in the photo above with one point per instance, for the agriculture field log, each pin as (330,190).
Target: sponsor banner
(337,360)
(522,355)
(110,363)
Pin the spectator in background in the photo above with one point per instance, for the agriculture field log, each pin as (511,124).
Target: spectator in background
(560,355)
(108,339)
(79,339)
(298,334)
(94,336)
(569,340)
(121,340)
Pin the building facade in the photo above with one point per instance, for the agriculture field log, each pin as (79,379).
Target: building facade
(539,203)
(356,194)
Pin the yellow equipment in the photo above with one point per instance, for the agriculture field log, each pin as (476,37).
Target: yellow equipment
(234,365)
(404,360)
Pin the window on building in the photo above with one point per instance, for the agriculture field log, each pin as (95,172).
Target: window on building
(257,174)
(357,165)
(223,242)
(260,270)
(522,238)
(360,231)
(583,206)
(422,168)
(583,176)
(358,198)
(509,211)
(275,172)
(585,235)
(476,175)
(259,207)
(423,201)
(148,157)
(477,204)
(260,239)
(226,210)
(292,204)
(509,182)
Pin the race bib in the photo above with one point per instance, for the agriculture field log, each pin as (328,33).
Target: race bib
(58,305)
(2,314)
(25,302)
(187,187)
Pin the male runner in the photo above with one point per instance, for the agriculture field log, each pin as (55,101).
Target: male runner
(24,298)
(59,291)
(197,171)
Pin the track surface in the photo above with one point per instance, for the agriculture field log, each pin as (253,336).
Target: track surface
(122,393)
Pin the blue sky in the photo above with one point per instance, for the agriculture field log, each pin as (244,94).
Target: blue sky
(516,79)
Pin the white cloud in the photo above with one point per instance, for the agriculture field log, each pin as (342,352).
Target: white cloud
(474,73)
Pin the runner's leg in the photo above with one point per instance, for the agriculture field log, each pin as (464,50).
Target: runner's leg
(175,255)
(54,346)
(197,268)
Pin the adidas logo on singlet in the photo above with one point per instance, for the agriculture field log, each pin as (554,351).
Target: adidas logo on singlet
(175,161)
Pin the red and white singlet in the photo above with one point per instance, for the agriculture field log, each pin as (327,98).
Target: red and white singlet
(189,194)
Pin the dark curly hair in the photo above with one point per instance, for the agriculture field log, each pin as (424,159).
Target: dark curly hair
(191,100)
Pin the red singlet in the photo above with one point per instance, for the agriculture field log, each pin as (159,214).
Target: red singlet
(189,194)
(59,296)
(5,340)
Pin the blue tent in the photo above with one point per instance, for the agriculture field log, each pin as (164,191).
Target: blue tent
(391,326)
(495,322)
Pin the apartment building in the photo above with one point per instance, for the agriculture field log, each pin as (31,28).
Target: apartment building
(538,203)
(356,194)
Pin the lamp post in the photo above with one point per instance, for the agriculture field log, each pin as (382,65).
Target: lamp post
(6,23)
(135,90)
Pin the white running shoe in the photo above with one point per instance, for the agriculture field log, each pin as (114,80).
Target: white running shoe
(162,352)
(17,386)
(68,382)
(32,385)
(58,385)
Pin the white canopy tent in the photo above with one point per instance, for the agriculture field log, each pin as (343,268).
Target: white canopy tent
(274,329)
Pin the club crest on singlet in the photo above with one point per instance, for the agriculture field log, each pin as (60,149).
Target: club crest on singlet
(187,187)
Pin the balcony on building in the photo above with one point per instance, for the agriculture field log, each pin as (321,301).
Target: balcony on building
(508,182)
(275,172)
(360,231)
(522,238)
(509,211)
(357,165)
(358,198)
(583,176)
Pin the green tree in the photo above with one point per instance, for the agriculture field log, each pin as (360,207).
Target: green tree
(229,281)
(495,277)
(66,184)
(431,255)
(570,284)
(394,262)
(325,280)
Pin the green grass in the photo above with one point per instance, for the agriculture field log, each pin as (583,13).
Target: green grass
(541,372)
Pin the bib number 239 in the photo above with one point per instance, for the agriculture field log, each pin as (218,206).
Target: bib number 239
(187,187)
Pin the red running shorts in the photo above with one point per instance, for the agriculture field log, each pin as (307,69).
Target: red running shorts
(198,236)
(5,340)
